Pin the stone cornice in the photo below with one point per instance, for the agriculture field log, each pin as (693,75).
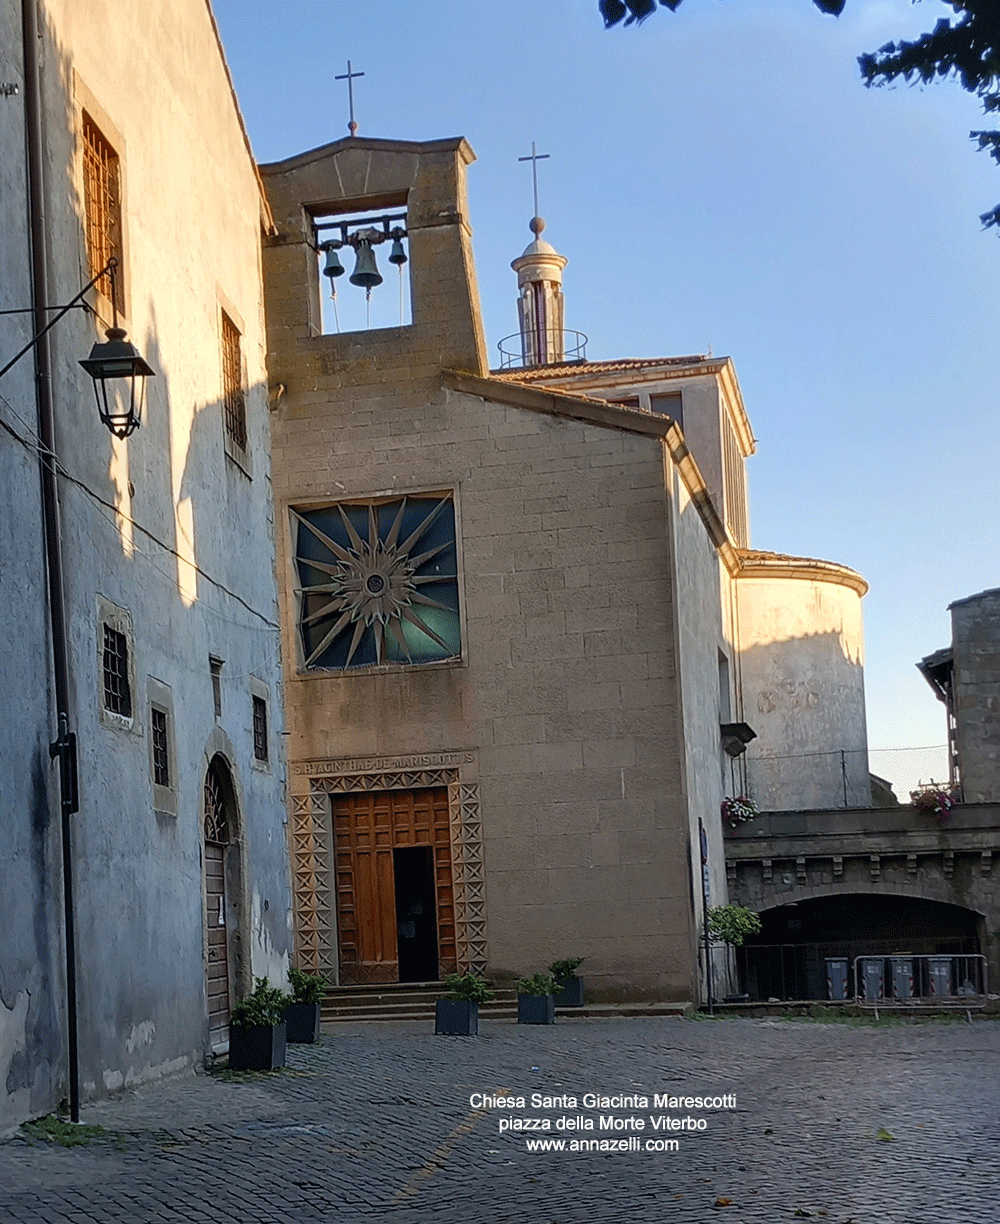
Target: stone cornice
(591,378)
(768,565)
(858,832)
(556,402)
(371,144)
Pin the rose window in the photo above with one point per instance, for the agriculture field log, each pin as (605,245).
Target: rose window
(377,583)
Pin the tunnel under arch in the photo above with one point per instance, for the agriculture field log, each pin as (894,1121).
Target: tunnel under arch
(787,960)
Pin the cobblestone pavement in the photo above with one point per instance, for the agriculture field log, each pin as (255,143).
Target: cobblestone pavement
(892,1123)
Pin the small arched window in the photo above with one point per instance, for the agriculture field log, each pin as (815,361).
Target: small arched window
(220,802)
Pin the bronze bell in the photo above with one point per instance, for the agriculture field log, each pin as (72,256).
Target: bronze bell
(333,266)
(397,255)
(366,274)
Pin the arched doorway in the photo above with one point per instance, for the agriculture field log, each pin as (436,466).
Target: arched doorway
(221,865)
(787,960)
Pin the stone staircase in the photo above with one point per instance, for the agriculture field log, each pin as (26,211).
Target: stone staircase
(416,1000)
(404,1001)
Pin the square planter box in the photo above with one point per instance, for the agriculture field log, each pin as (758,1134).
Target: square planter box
(302,1021)
(536,1009)
(458,1017)
(257,1049)
(571,994)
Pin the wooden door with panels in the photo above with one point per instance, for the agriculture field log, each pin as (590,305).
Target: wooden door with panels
(395,899)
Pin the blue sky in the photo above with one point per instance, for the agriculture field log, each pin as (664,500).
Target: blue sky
(720,177)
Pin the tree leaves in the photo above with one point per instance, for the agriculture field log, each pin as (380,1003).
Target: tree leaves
(635,12)
(638,10)
(966,48)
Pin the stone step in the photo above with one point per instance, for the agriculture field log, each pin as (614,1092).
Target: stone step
(400,1001)
(417,1000)
(340,1005)
(346,1015)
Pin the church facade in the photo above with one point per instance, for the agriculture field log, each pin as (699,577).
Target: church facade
(513,611)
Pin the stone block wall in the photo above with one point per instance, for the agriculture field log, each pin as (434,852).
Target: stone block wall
(976,652)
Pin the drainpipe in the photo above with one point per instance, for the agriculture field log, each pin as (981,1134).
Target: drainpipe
(65,745)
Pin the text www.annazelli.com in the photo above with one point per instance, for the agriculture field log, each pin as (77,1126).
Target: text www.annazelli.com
(631,1144)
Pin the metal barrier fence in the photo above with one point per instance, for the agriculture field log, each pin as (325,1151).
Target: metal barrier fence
(907,981)
(800,971)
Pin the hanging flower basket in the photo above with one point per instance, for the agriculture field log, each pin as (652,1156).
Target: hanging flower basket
(740,810)
(937,800)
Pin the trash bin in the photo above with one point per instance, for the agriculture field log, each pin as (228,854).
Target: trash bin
(939,977)
(873,978)
(902,976)
(837,978)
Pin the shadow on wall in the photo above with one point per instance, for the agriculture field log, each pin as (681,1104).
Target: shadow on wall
(138,869)
(804,697)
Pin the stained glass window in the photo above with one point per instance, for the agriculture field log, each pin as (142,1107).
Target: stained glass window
(378,582)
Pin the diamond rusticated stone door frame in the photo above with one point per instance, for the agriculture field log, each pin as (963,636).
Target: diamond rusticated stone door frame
(313,883)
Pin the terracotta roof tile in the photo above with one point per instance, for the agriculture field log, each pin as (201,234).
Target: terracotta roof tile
(569,368)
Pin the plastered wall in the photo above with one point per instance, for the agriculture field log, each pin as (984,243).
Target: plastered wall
(162,527)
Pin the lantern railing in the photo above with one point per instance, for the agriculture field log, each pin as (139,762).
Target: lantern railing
(558,345)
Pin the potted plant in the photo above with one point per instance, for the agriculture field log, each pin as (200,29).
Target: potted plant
(257,1029)
(457,1013)
(732,924)
(302,1015)
(933,797)
(536,1003)
(570,985)
(740,810)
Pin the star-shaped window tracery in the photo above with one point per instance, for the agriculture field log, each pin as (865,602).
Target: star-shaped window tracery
(378,582)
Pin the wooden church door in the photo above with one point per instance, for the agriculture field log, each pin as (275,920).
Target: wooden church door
(395,901)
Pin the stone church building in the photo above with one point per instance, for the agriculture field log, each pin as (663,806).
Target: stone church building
(516,632)
(526,641)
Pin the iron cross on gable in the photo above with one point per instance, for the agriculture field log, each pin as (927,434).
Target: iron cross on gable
(535,158)
(350,77)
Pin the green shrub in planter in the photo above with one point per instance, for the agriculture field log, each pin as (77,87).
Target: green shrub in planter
(307,987)
(457,1014)
(257,1029)
(536,999)
(469,986)
(570,986)
(302,1015)
(563,969)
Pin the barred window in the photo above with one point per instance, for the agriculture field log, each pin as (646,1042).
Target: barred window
(260,729)
(102,208)
(117,693)
(161,754)
(233,401)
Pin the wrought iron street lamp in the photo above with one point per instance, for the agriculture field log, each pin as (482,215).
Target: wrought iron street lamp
(119,374)
(115,362)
